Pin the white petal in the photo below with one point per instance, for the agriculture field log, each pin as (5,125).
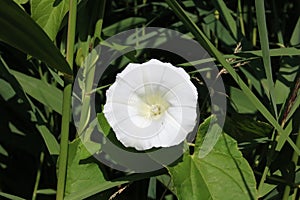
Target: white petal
(140,86)
(153,71)
(185,92)
(133,75)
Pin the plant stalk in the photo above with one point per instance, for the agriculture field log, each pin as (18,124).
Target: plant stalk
(66,112)
(38,176)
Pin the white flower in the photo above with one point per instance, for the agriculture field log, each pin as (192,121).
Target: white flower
(153,104)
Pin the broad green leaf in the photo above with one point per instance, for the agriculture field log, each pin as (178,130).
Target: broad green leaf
(222,174)
(49,15)
(45,93)
(21,32)
(85,177)
(81,175)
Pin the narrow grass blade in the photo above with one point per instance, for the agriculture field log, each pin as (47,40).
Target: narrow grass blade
(9,196)
(264,42)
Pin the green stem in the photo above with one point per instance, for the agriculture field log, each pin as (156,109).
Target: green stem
(240,16)
(38,176)
(66,112)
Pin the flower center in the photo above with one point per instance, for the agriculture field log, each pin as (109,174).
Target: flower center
(155,110)
(153,106)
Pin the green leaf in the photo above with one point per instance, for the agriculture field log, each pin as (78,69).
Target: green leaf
(46,191)
(9,196)
(49,15)
(152,188)
(241,102)
(245,129)
(290,51)
(286,78)
(50,140)
(21,1)
(295,39)
(104,125)
(203,40)
(263,37)
(6,91)
(226,13)
(221,174)
(21,32)
(45,93)
(220,30)
(82,174)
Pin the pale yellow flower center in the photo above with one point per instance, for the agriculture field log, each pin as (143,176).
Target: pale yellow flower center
(154,107)
(155,110)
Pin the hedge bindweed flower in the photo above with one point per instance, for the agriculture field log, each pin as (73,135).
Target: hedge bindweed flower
(153,104)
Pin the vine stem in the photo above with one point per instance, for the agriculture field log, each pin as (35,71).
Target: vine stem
(66,112)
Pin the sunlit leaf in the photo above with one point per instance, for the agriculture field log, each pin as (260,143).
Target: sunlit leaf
(49,14)
(45,93)
(222,174)
(21,32)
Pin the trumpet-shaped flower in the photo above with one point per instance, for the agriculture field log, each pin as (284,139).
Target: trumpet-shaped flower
(153,104)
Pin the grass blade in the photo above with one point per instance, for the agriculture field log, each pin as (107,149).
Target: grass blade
(264,41)
(230,22)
